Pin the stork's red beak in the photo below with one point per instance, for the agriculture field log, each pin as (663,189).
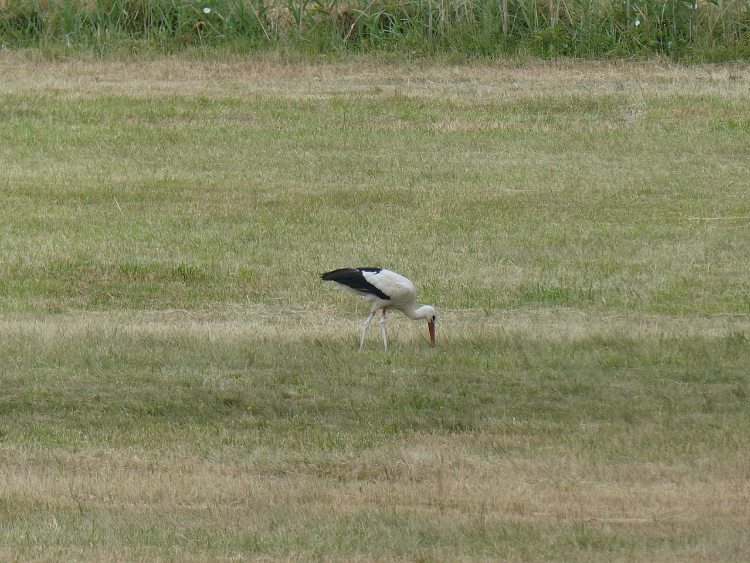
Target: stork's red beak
(431,326)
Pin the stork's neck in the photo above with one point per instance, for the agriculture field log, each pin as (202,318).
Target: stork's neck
(423,312)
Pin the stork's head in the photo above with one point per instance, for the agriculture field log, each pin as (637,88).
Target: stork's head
(431,315)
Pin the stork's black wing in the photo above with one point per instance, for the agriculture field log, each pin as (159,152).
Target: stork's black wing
(355,279)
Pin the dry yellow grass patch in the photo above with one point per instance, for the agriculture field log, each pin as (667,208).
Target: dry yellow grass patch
(435,485)
(365,78)
(233,326)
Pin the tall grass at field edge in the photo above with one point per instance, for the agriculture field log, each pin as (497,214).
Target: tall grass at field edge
(685,30)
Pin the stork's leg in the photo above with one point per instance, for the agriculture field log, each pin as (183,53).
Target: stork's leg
(364,329)
(382,329)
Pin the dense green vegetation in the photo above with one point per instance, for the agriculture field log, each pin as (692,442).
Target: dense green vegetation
(685,30)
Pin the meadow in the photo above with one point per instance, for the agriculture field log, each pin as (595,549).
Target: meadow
(176,384)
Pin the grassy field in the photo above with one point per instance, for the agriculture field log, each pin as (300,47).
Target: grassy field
(176,384)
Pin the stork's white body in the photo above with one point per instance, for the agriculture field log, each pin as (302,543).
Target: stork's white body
(383,289)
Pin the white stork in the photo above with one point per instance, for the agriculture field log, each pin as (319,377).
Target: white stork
(383,289)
